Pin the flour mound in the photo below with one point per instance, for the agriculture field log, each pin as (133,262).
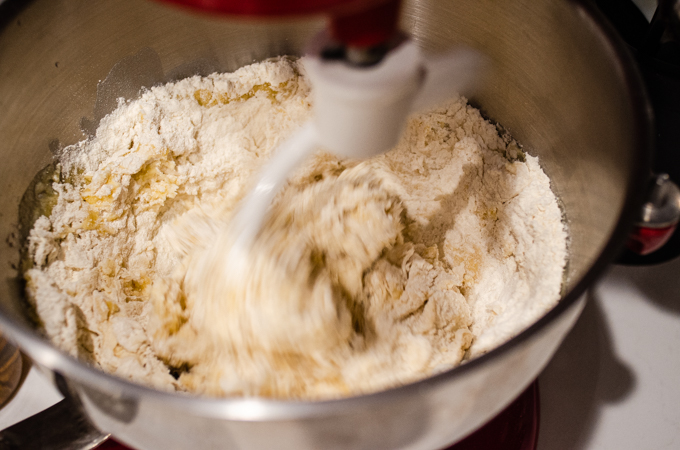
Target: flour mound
(366,274)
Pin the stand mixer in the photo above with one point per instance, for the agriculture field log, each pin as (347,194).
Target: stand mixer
(593,151)
(367,79)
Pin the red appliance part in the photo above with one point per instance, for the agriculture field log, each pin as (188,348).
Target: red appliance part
(356,23)
(644,241)
(659,217)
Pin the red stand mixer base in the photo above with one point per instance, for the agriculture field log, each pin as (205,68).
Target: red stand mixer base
(515,428)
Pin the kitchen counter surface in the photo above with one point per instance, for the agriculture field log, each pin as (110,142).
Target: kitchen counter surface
(614,383)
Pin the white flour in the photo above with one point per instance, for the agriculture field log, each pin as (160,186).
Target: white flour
(369,274)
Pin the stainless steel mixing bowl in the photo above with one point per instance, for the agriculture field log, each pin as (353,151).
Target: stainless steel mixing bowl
(560,83)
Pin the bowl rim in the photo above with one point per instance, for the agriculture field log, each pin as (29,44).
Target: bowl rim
(262,409)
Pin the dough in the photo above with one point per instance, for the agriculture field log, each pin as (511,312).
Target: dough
(366,274)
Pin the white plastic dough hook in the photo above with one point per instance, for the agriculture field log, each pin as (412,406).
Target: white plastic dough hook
(358,112)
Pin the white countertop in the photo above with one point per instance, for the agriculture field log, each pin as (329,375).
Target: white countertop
(613,384)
